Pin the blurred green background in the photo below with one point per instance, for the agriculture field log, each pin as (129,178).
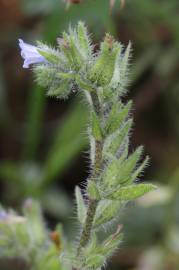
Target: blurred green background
(43,142)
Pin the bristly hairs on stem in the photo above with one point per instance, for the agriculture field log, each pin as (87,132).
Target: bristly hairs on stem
(102,78)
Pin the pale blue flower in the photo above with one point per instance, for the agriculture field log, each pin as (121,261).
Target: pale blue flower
(30,54)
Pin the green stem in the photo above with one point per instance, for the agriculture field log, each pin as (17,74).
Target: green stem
(85,236)
(92,205)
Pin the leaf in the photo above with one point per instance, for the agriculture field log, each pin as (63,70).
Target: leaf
(92,257)
(69,47)
(124,66)
(131,192)
(63,75)
(103,68)
(81,208)
(115,82)
(83,84)
(61,89)
(140,169)
(111,172)
(123,170)
(93,191)
(112,242)
(114,141)
(84,40)
(116,117)
(128,166)
(94,261)
(93,243)
(105,212)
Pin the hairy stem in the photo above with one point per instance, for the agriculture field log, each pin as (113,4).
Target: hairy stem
(88,224)
(92,205)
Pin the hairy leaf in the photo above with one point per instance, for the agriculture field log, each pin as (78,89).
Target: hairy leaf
(92,190)
(131,192)
(81,207)
(105,212)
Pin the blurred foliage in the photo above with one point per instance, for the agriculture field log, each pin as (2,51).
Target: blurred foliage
(27,237)
(31,164)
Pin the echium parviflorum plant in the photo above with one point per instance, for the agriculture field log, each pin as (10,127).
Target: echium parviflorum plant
(102,78)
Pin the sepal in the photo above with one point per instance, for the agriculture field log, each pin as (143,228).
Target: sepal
(103,67)
(84,41)
(124,70)
(119,80)
(69,47)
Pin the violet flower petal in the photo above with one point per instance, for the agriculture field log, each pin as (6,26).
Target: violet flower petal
(30,54)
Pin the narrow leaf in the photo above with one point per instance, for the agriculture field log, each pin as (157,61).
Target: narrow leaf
(106,211)
(93,191)
(81,208)
(84,40)
(103,68)
(112,242)
(117,116)
(94,261)
(115,140)
(140,169)
(128,166)
(124,66)
(131,192)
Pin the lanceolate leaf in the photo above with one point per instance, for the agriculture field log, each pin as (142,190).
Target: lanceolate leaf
(94,261)
(84,40)
(93,191)
(131,192)
(103,68)
(128,166)
(114,141)
(124,66)
(106,211)
(111,172)
(140,169)
(112,242)
(81,207)
(117,116)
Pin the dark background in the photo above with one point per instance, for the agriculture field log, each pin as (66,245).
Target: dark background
(44,149)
